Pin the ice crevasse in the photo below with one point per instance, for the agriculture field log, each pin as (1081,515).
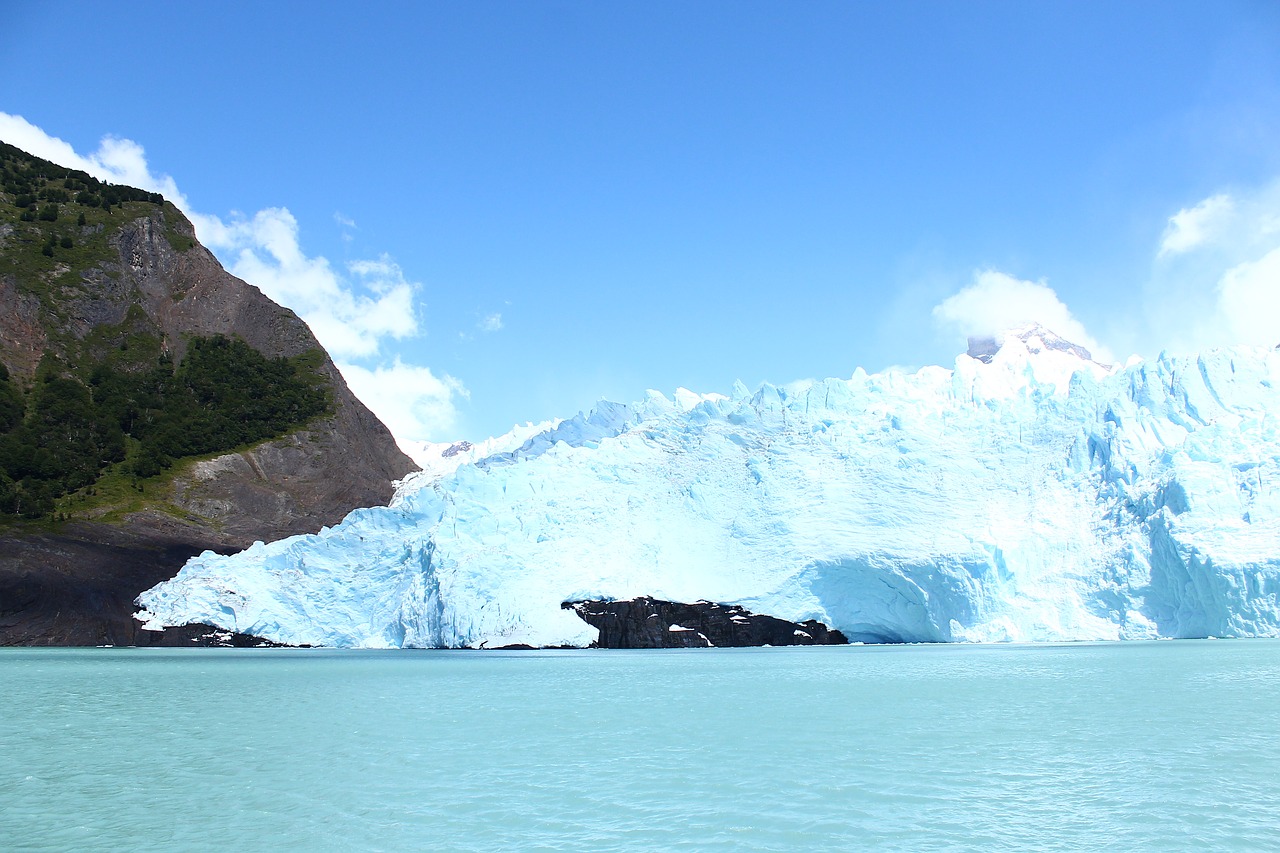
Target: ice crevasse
(1028,494)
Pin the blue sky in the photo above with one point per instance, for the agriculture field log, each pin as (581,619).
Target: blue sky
(502,212)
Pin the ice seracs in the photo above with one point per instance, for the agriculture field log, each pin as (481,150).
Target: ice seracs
(439,459)
(1028,494)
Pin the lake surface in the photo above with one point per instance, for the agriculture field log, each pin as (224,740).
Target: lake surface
(1141,746)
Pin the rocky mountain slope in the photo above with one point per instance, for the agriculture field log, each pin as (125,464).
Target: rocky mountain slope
(93,277)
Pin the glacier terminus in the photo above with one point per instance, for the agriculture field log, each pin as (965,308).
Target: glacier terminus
(1029,494)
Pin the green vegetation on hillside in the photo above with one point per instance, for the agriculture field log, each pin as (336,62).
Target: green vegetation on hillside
(39,187)
(63,434)
(56,223)
(111,407)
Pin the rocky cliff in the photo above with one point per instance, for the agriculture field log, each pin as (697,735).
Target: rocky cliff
(129,272)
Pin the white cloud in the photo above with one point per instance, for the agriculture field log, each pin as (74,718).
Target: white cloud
(351,315)
(1249,299)
(352,312)
(491,323)
(117,161)
(414,403)
(1194,226)
(344,221)
(1234,223)
(996,302)
(1217,277)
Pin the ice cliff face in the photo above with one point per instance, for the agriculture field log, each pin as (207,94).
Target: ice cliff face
(1030,495)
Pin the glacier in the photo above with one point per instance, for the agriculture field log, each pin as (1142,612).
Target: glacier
(1028,494)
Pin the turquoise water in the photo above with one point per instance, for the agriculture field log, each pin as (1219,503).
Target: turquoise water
(1143,746)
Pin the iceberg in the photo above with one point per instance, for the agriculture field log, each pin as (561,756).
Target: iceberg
(1028,494)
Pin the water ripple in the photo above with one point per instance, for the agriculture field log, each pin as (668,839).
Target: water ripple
(1160,746)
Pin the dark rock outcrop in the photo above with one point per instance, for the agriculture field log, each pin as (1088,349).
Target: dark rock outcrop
(75,586)
(74,582)
(649,623)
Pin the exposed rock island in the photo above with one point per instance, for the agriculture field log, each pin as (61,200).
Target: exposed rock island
(646,623)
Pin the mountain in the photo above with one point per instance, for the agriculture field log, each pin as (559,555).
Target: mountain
(1028,494)
(152,406)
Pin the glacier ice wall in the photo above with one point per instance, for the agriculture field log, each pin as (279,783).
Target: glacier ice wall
(1031,495)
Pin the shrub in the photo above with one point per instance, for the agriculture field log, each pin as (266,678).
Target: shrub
(224,394)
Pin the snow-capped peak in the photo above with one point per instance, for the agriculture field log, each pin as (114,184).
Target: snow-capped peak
(1036,338)
(439,459)
(1009,363)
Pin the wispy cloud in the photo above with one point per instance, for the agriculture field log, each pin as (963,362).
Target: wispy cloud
(347,224)
(415,403)
(1215,281)
(354,311)
(1193,226)
(1218,266)
(118,161)
(491,323)
(351,314)
(1249,299)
